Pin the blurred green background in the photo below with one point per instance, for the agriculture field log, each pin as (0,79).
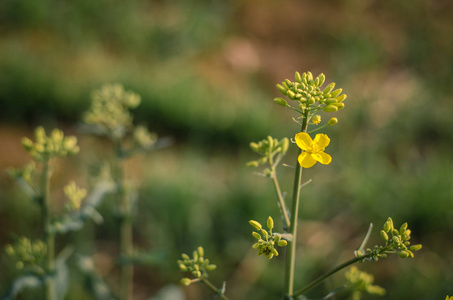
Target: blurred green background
(206,71)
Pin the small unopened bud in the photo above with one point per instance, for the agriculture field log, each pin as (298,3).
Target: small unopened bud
(384,235)
(291,95)
(281,101)
(255,224)
(255,147)
(339,105)
(341,98)
(270,222)
(211,267)
(298,77)
(284,143)
(415,247)
(332,121)
(328,88)
(183,267)
(322,78)
(200,251)
(282,89)
(404,254)
(330,108)
(336,93)
(186,281)
(403,228)
(185,256)
(253,164)
(274,251)
(282,243)
(331,101)
(256,235)
(316,119)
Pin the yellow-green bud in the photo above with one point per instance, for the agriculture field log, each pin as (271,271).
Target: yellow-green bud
(270,255)
(322,78)
(274,251)
(211,267)
(277,238)
(264,232)
(330,108)
(403,228)
(288,82)
(284,144)
(9,250)
(27,143)
(309,76)
(183,267)
(341,98)
(200,251)
(311,100)
(332,121)
(415,247)
(331,101)
(281,101)
(339,105)
(291,95)
(316,119)
(298,77)
(186,281)
(185,256)
(404,254)
(282,89)
(256,246)
(195,255)
(254,146)
(390,223)
(270,222)
(252,164)
(336,93)
(255,224)
(328,88)
(384,235)
(282,243)
(256,235)
(196,274)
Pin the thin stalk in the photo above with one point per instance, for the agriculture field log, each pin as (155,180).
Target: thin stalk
(49,237)
(279,193)
(213,288)
(291,252)
(330,273)
(126,239)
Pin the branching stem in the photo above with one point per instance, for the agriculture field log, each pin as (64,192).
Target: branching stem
(214,289)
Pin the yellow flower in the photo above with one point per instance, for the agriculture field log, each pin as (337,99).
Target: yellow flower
(313,149)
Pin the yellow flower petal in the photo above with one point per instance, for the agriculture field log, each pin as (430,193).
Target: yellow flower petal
(322,157)
(306,160)
(321,140)
(303,140)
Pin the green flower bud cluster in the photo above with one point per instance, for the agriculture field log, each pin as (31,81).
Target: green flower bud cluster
(54,145)
(269,148)
(143,138)
(361,282)
(24,173)
(306,90)
(75,196)
(198,266)
(266,239)
(109,109)
(396,241)
(28,255)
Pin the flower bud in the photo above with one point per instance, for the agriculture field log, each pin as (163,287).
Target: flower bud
(211,267)
(330,108)
(415,247)
(284,144)
(316,119)
(282,89)
(332,121)
(341,98)
(274,251)
(298,77)
(195,255)
(322,78)
(291,95)
(403,228)
(270,222)
(331,101)
(255,224)
(339,105)
(256,235)
(252,164)
(336,93)
(309,76)
(27,144)
(277,238)
(185,256)
(256,246)
(183,267)
(200,251)
(328,88)
(384,235)
(404,254)
(282,243)
(186,281)
(281,101)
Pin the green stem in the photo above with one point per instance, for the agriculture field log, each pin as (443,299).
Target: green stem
(279,193)
(213,288)
(328,274)
(291,252)
(48,235)
(126,238)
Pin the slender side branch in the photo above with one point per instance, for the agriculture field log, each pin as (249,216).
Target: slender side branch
(49,236)
(213,288)
(281,200)
(330,273)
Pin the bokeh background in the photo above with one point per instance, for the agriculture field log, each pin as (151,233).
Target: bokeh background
(206,71)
